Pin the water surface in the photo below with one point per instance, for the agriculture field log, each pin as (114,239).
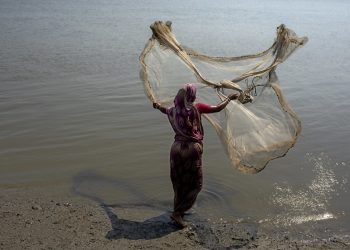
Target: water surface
(73,111)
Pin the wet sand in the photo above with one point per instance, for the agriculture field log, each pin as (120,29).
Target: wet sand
(51,219)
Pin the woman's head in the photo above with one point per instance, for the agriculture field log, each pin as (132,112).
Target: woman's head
(185,96)
(191,90)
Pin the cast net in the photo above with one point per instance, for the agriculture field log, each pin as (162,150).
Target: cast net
(255,129)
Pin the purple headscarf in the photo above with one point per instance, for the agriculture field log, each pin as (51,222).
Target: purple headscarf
(184,117)
(190,92)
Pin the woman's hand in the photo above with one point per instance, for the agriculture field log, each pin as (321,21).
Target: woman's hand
(162,109)
(233,96)
(156,105)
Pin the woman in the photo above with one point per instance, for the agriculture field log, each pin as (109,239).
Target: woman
(186,151)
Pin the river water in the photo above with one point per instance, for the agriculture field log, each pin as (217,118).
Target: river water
(73,111)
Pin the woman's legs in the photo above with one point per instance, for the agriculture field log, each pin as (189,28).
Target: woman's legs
(186,176)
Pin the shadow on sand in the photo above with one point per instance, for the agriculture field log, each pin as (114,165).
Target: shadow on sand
(155,227)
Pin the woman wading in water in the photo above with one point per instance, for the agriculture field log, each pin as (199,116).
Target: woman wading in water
(186,151)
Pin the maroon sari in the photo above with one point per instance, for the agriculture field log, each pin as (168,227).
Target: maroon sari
(186,151)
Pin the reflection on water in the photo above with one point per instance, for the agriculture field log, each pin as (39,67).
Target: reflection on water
(310,202)
(316,217)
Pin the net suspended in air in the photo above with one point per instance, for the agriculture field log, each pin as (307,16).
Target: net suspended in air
(257,128)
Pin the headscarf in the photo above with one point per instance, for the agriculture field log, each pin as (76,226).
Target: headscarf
(184,117)
(190,92)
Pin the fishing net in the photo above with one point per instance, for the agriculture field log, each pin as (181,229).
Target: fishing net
(260,125)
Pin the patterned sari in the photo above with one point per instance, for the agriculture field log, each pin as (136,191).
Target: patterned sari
(186,151)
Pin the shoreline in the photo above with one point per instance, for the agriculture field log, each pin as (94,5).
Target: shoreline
(51,219)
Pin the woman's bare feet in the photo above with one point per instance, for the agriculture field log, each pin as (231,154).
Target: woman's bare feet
(178,220)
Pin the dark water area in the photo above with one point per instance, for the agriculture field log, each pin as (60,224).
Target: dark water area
(73,110)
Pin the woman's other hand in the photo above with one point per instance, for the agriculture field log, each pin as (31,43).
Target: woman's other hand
(156,105)
(162,109)
(233,96)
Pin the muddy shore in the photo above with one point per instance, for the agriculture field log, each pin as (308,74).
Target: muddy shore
(48,219)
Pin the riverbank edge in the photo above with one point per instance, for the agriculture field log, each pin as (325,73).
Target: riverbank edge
(57,219)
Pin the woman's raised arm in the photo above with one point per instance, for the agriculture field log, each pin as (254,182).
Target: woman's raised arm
(207,109)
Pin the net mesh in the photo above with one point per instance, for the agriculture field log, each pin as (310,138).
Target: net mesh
(257,128)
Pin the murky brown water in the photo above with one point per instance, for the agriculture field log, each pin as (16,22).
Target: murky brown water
(73,111)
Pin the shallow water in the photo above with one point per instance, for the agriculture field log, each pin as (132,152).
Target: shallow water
(73,111)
